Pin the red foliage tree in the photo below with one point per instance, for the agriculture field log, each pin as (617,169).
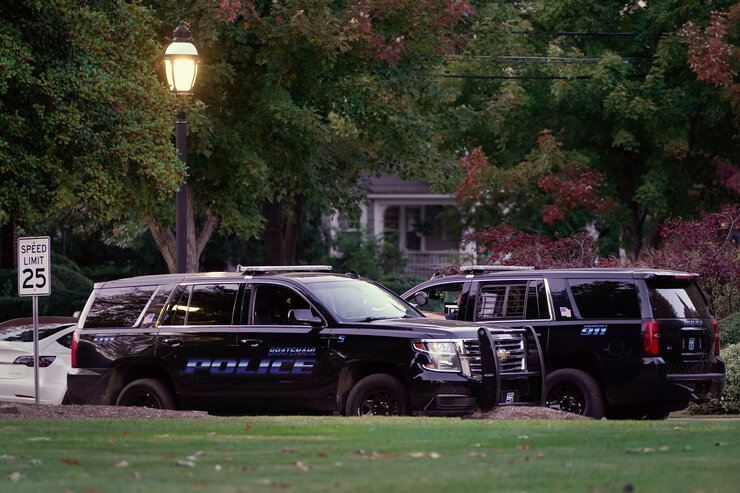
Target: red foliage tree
(708,247)
(505,245)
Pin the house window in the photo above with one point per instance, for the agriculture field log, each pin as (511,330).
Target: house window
(436,237)
(413,228)
(391,221)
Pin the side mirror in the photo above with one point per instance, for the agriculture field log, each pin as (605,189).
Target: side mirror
(420,298)
(304,316)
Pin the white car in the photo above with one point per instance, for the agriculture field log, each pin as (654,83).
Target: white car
(16,360)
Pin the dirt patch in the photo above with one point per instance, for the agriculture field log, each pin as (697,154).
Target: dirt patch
(524,412)
(31,411)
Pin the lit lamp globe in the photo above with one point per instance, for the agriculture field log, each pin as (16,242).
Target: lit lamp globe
(181,61)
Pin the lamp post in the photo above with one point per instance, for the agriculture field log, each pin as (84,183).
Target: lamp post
(181,69)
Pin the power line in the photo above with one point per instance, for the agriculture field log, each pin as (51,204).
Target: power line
(573,33)
(526,59)
(546,77)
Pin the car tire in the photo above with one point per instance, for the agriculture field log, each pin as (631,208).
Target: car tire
(146,392)
(574,391)
(380,395)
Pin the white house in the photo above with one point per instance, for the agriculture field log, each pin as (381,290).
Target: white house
(407,214)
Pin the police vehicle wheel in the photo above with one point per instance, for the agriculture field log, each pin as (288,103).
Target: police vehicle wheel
(380,395)
(146,392)
(574,391)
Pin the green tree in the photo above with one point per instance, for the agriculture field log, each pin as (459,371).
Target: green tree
(612,82)
(302,98)
(85,124)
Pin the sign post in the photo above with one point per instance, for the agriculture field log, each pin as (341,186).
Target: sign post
(34,279)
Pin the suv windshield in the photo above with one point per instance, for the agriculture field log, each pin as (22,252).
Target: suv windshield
(671,300)
(359,301)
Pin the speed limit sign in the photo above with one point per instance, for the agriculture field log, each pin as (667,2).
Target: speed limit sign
(34,266)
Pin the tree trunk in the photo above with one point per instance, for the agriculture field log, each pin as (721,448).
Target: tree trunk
(165,238)
(281,231)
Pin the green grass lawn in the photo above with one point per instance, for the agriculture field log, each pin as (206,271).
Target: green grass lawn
(368,454)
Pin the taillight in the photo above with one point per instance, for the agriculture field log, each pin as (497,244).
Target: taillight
(650,338)
(44,361)
(716,337)
(75,340)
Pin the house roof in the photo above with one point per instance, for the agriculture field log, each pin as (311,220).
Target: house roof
(388,184)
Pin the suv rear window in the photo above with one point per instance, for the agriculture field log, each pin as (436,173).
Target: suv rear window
(677,301)
(118,307)
(605,299)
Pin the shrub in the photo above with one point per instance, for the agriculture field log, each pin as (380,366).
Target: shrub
(69,292)
(729,330)
(730,400)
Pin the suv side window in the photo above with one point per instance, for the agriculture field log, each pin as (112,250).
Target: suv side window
(605,299)
(501,301)
(212,304)
(118,307)
(443,301)
(515,300)
(272,304)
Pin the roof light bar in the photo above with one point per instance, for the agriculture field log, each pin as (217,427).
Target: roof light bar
(484,268)
(262,269)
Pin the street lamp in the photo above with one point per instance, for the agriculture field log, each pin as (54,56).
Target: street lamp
(181,69)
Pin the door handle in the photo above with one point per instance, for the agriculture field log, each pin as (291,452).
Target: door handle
(172,342)
(250,342)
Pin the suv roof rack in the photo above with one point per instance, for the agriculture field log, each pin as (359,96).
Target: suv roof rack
(264,269)
(483,268)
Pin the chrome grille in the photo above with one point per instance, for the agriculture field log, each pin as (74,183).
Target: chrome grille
(514,362)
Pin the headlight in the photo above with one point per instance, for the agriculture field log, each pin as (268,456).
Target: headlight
(440,355)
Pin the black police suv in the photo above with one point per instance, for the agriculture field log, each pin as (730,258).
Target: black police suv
(290,339)
(628,343)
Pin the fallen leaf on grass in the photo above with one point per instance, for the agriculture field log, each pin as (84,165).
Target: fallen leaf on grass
(287,450)
(123,463)
(376,455)
(430,455)
(247,426)
(525,447)
(539,455)
(640,450)
(663,449)
(112,443)
(125,433)
(136,475)
(71,462)
(323,455)
(300,465)
(475,454)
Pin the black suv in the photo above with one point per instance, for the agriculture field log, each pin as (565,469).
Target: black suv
(628,343)
(289,339)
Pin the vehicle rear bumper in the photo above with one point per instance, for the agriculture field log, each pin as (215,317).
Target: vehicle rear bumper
(652,385)
(86,386)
